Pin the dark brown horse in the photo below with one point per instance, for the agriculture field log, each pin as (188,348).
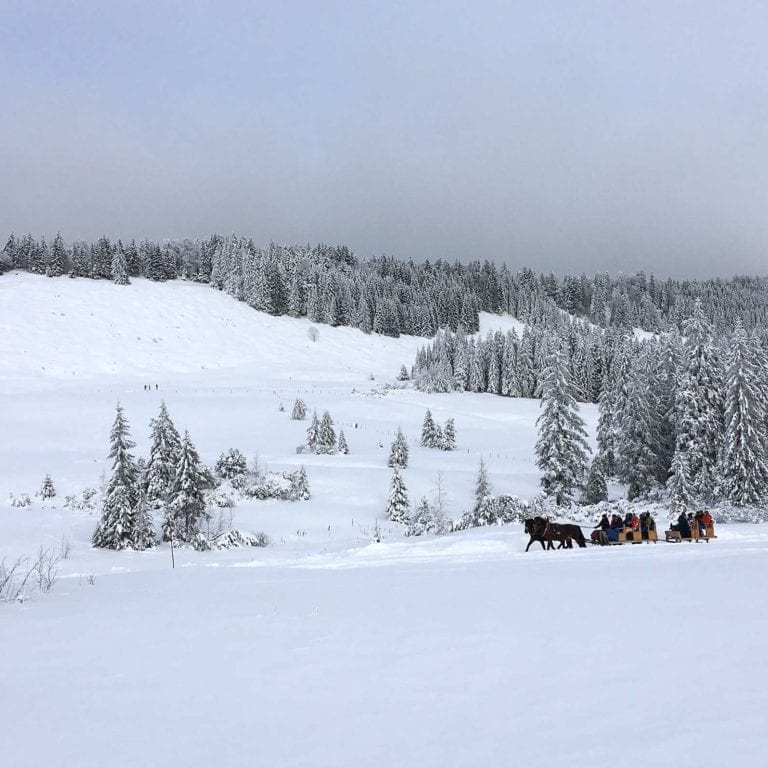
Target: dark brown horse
(546,532)
(536,531)
(573,532)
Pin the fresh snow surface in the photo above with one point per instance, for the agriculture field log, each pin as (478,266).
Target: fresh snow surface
(326,649)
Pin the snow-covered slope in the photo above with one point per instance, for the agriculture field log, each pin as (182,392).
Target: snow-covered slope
(72,348)
(84,328)
(325,649)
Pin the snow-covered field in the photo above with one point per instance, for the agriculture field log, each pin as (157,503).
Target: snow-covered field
(326,649)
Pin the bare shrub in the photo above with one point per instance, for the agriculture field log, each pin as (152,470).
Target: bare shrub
(64,548)
(21,578)
(45,569)
(13,580)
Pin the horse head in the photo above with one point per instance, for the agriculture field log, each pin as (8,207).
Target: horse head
(528,526)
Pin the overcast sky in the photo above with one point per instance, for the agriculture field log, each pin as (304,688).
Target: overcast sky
(560,134)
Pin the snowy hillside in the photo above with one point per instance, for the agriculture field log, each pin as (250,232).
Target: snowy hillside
(326,649)
(224,370)
(66,328)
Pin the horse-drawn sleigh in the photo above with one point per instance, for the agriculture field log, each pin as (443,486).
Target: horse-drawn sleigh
(547,533)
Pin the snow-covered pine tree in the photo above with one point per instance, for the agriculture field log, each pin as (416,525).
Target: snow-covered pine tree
(141,474)
(596,488)
(743,469)
(460,366)
(40,257)
(57,259)
(186,507)
(343,447)
(561,448)
(398,455)
(116,529)
(313,433)
(300,485)
(428,431)
(299,411)
(47,490)
(119,268)
(154,269)
(510,385)
(326,435)
(484,509)
(422,518)
(679,484)
(403,375)
(699,412)
(144,532)
(664,386)
(606,431)
(164,454)
(398,507)
(482,484)
(448,442)
(637,442)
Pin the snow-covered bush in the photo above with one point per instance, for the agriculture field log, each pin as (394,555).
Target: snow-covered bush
(511,509)
(85,500)
(495,510)
(235,539)
(22,500)
(428,519)
(220,499)
(271,486)
(232,465)
(200,542)
(285,486)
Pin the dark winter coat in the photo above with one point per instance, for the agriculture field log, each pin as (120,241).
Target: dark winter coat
(683,527)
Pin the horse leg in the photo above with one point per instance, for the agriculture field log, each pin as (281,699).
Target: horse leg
(529,544)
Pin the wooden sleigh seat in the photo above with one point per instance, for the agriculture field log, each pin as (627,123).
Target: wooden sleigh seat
(629,536)
(632,536)
(675,536)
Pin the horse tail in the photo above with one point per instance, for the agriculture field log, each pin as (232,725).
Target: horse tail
(580,540)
